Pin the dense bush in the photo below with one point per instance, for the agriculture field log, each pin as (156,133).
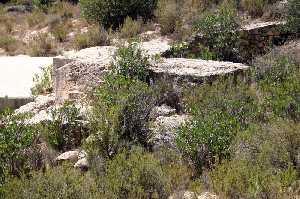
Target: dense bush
(15,139)
(220,111)
(131,28)
(278,78)
(41,46)
(113,13)
(58,182)
(219,32)
(114,125)
(264,163)
(132,62)
(65,131)
(293,16)
(95,36)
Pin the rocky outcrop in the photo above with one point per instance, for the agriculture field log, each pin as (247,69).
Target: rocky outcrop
(194,70)
(78,73)
(79,158)
(40,108)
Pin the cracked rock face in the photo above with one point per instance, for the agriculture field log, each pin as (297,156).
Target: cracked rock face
(164,126)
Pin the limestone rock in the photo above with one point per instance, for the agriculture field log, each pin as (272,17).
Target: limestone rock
(164,130)
(162,110)
(194,70)
(82,164)
(192,195)
(69,155)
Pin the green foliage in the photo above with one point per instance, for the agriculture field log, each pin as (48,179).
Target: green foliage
(113,13)
(120,112)
(168,14)
(43,83)
(95,36)
(293,16)
(136,175)
(132,62)
(41,46)
(219,32)
(234,107)
(8,43)
(15,137)
(182,49)
(264,163)
(59,31)
(131,28)
(65,131)
(278,78)
(58,182)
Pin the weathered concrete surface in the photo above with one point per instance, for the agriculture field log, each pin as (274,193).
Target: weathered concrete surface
(16,74)
(16,79)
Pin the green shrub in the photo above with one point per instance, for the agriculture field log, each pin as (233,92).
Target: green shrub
(113,13)
(131,28)
(263,164)
(132,62)
(293,16)
(41,46)
(168,14)
(15,138)
(219,32)
(59,31)
(8,43)
(138,174)
(58,182)
(114,125)
(65,131)
(278,77)
(95,36)
(43,83)
(219,112)
(36,17)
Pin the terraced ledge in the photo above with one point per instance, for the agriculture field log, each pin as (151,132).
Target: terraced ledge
(194,70)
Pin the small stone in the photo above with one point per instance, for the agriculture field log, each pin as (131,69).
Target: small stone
(82,164)
(69,155)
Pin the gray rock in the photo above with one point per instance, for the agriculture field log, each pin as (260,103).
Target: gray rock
(162,110)
(82,164)
(163,130)
(193,195)
(69,155)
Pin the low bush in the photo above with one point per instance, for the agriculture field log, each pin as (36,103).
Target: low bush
(255,8)
(168,16)
(8,43)
(65,131)
(113,13)
(219,32)
(95,36)
(278,78)
(60,32)
(132,62)
(293,16)
(115,123)
(15,139)
(43,83)
(41,46)
(57,182)
(131,28)
(35,18)
(263,165)
(234,107)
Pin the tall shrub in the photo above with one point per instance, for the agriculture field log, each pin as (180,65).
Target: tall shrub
(112,13)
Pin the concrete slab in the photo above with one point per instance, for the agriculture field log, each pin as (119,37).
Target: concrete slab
(16,74)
